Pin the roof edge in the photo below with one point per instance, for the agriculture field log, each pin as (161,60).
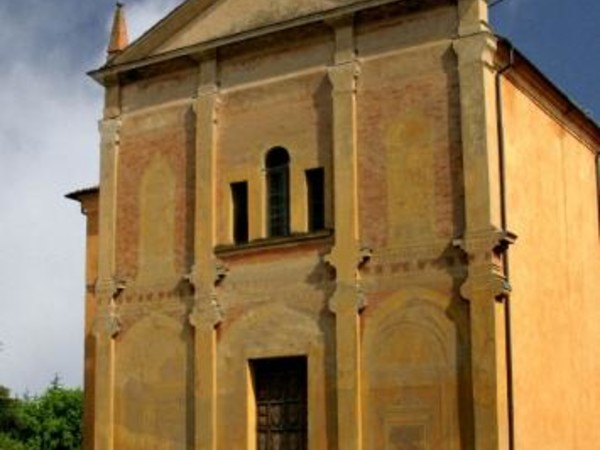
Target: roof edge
(565,105)
(120,63)
(80,193)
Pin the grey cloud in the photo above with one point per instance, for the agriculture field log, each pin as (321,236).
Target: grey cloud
(48,146)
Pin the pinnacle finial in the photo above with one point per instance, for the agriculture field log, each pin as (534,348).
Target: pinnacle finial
(118,36)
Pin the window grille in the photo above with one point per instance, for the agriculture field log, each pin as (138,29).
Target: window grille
(278,192)
(281,403)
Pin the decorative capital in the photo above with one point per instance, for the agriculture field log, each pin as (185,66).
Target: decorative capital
(107,323)
(350,260)
(110,288)
(208,315)
(109,133)
(207,312)
(364,256)
(209,89)
(361,296)
(196,279)
(348,296)
(506,238)
(207,103)
(485,286)
(476,48)
(473,16)
(343,76)
(485,241)
(486,276)
(220,271)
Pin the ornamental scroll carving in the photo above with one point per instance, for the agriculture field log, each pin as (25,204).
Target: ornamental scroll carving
(107,323)
(350,288)
(207,311)
(343,76)
(485,252)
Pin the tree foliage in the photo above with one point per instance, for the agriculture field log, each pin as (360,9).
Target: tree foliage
(51,421)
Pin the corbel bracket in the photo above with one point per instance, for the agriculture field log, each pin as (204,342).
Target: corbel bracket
(107,323)
(208,315)
(110,288)
(207,311)
(364,256)
(352,286)
(497,241)
(487,274)
(220,271)
(505,240)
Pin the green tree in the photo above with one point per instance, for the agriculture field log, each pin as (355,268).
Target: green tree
(9,443)
(51,421)
(10,421)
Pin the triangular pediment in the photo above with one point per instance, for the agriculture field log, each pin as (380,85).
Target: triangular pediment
(230,17)
(201,21)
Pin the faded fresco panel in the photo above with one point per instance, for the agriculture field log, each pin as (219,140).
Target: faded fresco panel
(157,223)
(411,382)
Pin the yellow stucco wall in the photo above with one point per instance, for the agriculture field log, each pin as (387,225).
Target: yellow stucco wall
(552,206)
(256,118)
(394,306)
(414,330)
(89,204)
(152,384)
(275,300)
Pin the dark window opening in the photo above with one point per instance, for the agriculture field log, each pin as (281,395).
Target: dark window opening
(239,199)
(315,189)
(281,403)
(278,192)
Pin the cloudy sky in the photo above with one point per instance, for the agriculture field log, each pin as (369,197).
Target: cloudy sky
(49,146)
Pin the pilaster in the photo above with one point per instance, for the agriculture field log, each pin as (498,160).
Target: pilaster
(472,16)
(105,329)
(206,273)
(106,325)
(343,76)
(346,301)
(109,158)
(483,238)
(112,100)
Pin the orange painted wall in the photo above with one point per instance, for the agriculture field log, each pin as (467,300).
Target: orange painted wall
(554,268)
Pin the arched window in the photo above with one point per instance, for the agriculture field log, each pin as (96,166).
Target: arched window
(277,164)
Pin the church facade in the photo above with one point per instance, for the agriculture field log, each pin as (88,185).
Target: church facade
(339,224)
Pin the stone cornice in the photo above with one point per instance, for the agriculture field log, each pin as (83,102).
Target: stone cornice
(324,237)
